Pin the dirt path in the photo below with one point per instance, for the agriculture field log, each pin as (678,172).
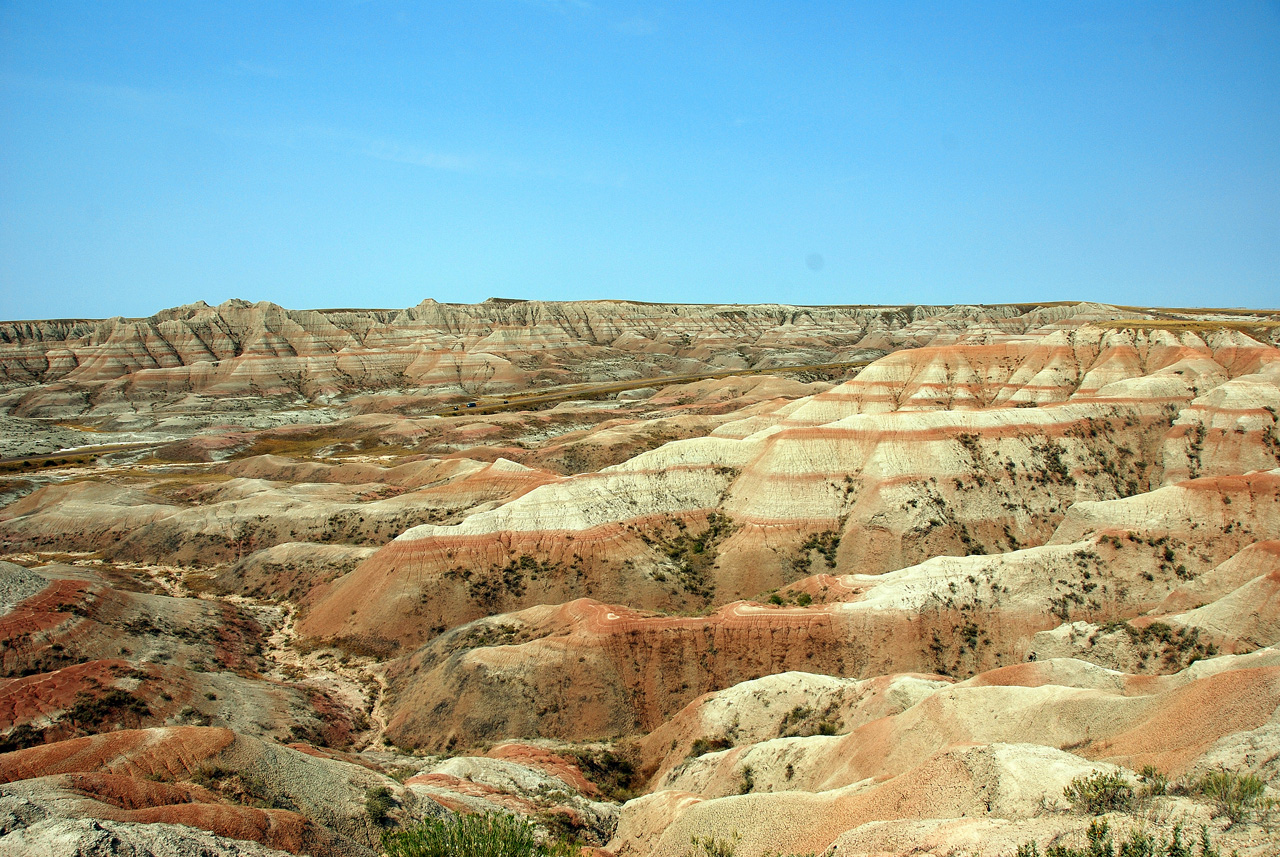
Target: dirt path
(357,682)
(82,454)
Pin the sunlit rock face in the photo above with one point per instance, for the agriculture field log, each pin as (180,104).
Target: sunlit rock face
(927,452)
(238,348)
(892,578)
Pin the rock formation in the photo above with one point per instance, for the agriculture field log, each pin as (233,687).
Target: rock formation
(890,578)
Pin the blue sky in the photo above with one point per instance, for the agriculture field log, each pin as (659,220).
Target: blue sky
(324,154)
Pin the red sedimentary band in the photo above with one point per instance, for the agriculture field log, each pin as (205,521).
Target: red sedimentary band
(43,694)
(1257,484)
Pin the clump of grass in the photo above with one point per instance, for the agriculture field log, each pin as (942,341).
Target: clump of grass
(703,746)
(713,846)
(1154,782)
(487,834)
(1138,844)
(1237,796)
(1099,793)
(803,721)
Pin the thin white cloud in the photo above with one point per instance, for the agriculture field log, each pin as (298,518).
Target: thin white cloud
(636,27)
(390,150)
(307,135)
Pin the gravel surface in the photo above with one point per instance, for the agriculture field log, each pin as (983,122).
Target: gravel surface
(83,837)
(28,437)
(18,584)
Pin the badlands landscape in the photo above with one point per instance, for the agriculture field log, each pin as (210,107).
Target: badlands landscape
(664,580)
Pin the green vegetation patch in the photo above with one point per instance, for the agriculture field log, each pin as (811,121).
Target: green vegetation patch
(1100,793)
(487,834)
(1137,844)
(694,555)
(614,774)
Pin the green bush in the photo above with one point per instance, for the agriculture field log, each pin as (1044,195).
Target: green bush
(613,774)
(711,846)
(1237,796)
(378,801)
(20,737)
(1153,781)
(487,834)
(1138,844)
(1099,793)
(703,746)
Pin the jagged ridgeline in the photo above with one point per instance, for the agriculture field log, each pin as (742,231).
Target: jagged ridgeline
(658,579)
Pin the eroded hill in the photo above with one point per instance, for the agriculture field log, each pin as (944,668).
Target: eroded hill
(889,577)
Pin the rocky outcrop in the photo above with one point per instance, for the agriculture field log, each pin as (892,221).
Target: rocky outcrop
(238,348)
(79,656)
(84,837)
(859,478)
(587,670)
(229,519)
(186,775)
(957,752)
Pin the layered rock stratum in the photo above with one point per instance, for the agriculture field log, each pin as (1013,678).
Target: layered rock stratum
(662,578)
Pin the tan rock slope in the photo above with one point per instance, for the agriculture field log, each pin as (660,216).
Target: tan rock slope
(238,348)
(881,479)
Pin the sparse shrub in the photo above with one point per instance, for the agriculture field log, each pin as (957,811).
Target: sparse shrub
(1099,793)
(91,712)
(800,721)
(240,787)
(1237,796)
(378,801)
(703,746)
(748,780)
(613,774)
(1137,844)
(693,556)
(712,846)
(826,543)
(487,834)
(793,717)
(20,737)
(1153,781)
